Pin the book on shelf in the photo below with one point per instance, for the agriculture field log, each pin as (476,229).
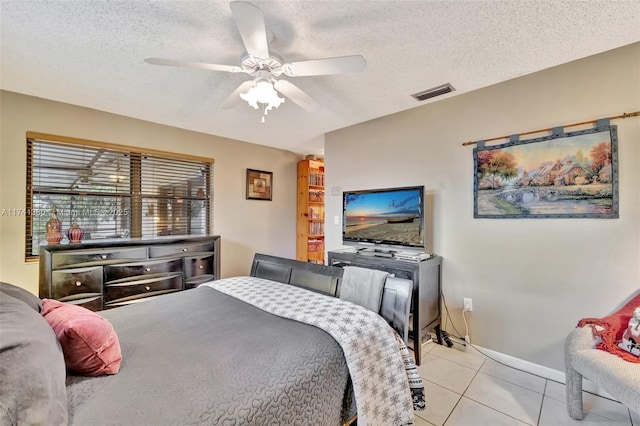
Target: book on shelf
(316,195)
(316,228)
(316,179)
(316,244)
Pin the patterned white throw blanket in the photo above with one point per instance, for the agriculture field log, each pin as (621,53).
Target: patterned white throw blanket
(381,368)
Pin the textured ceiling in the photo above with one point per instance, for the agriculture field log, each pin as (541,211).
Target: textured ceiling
(91,53)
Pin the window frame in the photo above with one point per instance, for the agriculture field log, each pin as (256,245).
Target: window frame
(135,194)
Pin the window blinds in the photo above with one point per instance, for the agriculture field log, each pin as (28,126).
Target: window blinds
(114,191)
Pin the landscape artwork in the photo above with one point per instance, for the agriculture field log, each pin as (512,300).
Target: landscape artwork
(565,175)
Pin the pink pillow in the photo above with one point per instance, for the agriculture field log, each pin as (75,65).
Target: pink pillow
(89,342)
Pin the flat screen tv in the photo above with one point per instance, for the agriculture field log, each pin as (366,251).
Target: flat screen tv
(391,218)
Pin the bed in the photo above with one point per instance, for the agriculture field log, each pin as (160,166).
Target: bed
(236,351)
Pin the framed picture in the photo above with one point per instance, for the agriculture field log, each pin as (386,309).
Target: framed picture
(259,185)
(564,175)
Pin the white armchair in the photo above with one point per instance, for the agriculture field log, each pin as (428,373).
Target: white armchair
(620,378)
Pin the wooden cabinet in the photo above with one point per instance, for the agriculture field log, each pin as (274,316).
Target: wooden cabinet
(101,275)
(310,212)
(427,278)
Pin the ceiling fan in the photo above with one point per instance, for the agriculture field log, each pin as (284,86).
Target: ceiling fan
(264,65)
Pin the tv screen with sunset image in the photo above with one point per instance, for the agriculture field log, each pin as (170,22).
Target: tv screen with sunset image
(384,216)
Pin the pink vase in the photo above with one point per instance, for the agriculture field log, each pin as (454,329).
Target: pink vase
(54,228)
(75,233)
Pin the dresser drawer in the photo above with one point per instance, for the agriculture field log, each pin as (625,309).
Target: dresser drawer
(133,269)
(76,283)
(91,257)
(93,303)
(198,269)
(125,291)
(174,249)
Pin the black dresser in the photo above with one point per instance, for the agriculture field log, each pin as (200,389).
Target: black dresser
(107,274)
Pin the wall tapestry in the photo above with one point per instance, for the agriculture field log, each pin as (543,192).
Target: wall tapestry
(564,175)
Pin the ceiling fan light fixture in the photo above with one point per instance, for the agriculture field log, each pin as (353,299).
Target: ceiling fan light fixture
(262,92)
(263,65)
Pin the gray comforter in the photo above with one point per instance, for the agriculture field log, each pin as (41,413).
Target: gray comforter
(202,357)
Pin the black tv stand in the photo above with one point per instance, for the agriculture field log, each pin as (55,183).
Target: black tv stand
(426,276)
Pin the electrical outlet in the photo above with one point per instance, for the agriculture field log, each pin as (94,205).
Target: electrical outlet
(467,305)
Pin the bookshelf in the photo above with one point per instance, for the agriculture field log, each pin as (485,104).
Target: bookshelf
(310,212)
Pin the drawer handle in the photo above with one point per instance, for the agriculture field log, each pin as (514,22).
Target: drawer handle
(78,283)
(146,287)
(147,269)
(184,249)
(200,266)
(104,256)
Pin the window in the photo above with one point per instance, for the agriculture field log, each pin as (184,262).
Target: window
(114,191)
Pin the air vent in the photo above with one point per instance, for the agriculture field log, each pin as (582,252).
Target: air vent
(432,93)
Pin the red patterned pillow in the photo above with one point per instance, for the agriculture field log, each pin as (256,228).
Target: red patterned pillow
(89,342)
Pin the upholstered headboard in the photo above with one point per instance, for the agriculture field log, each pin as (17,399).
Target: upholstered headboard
(396,296)
(319,278)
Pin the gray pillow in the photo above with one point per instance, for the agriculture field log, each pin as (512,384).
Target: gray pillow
(363,286)
(32,368)
(22,294)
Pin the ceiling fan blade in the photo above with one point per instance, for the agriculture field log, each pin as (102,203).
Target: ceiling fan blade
(250,21)
(195,65)
(338,65)
(234,99)
(294,93)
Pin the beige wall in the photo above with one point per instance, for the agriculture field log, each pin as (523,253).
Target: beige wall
(531,280)
(245,226)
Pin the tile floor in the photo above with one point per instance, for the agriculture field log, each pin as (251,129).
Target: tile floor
(465,388)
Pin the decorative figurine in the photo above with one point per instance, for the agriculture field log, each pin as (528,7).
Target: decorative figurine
(75,233)
(54,228)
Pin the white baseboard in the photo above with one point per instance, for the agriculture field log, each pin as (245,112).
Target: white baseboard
(542,371)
